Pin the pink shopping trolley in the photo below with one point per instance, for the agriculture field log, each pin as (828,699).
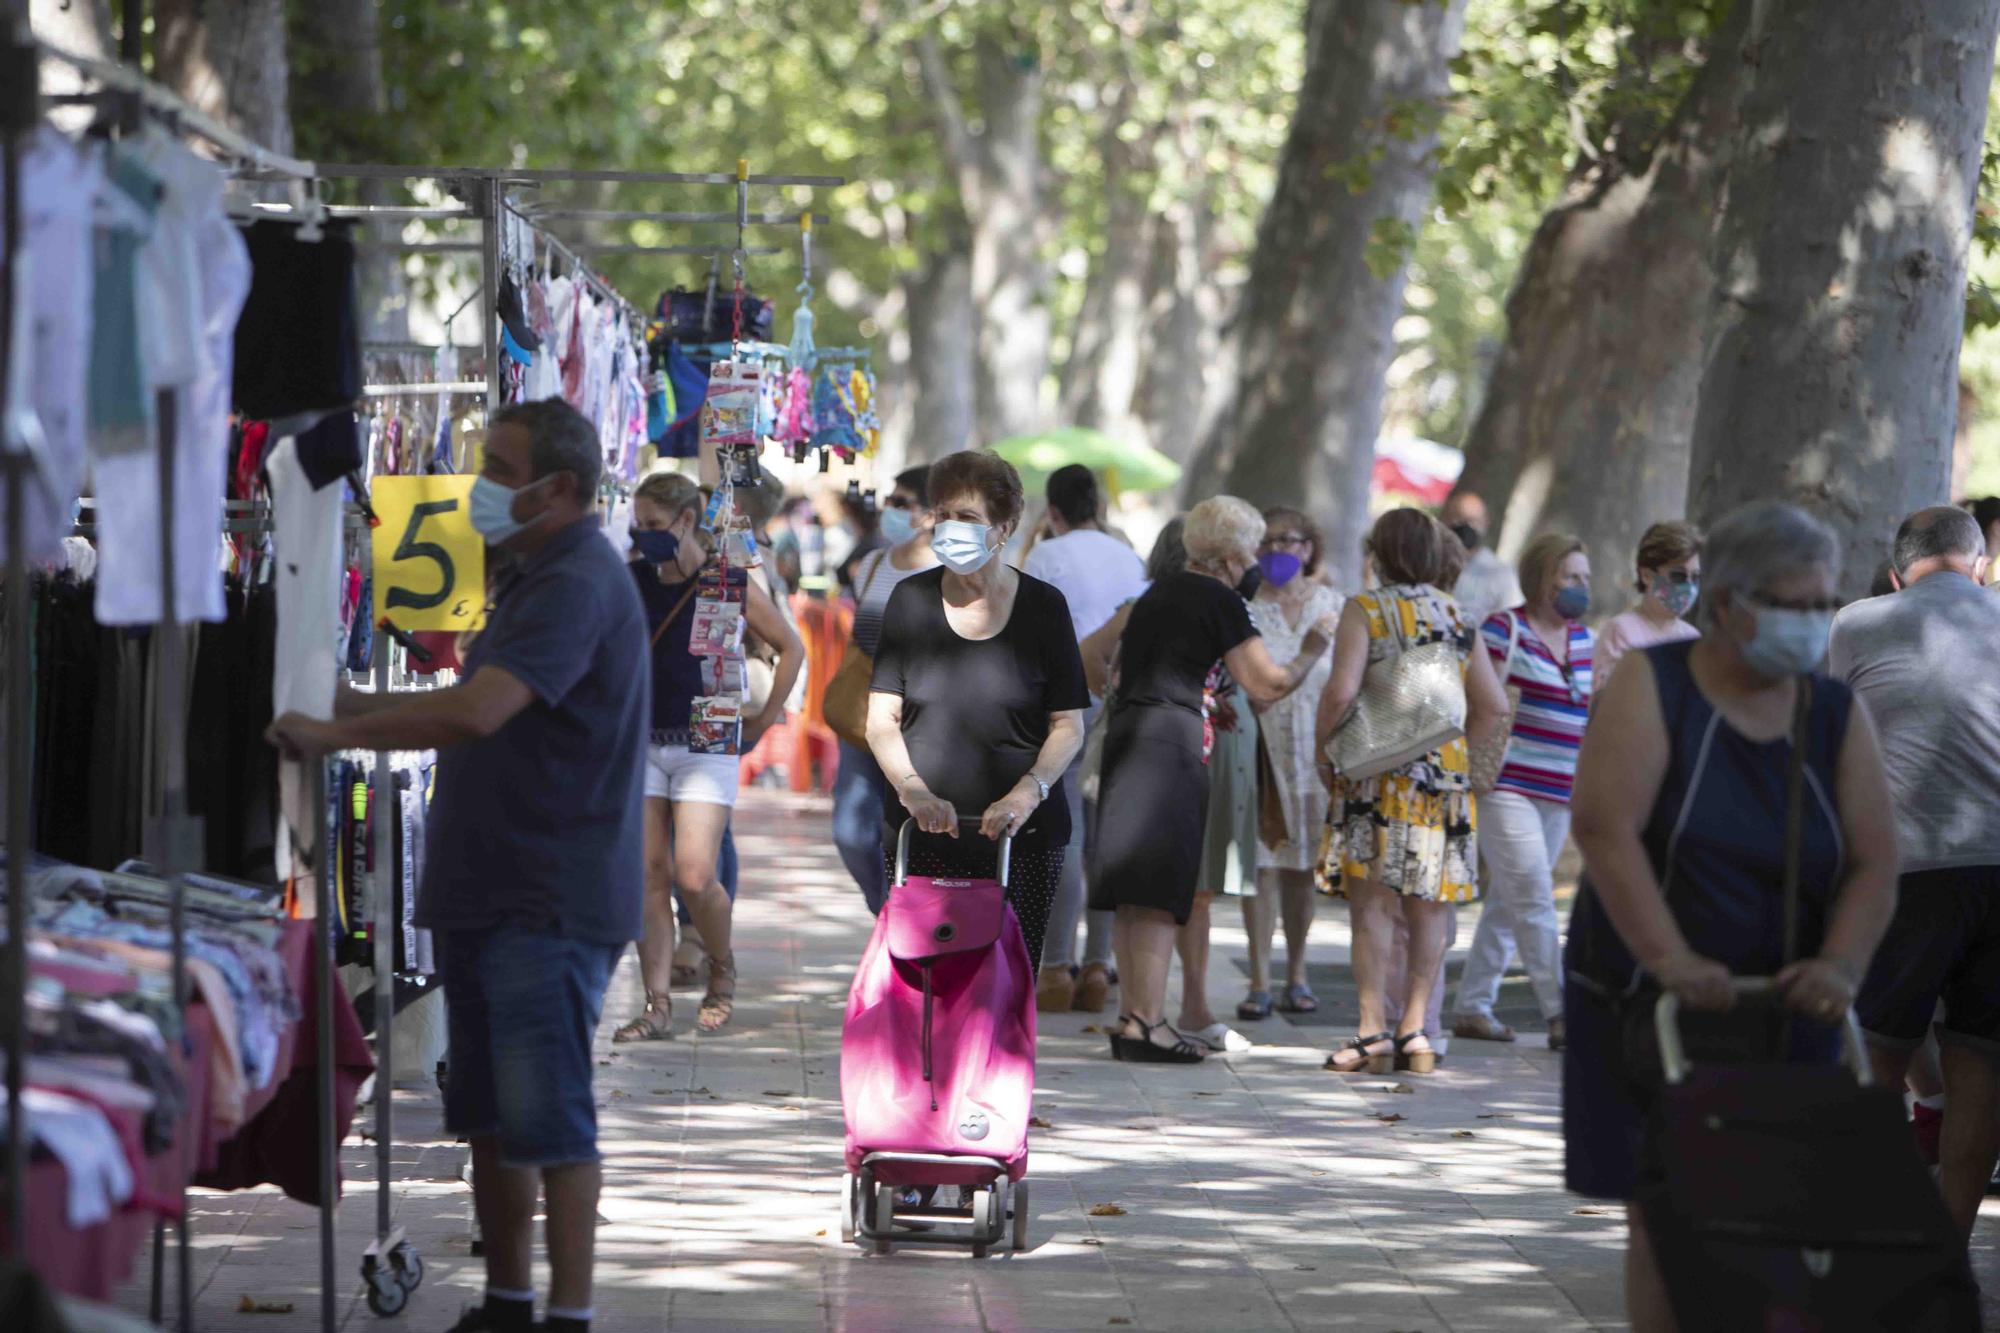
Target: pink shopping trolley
(937,1066)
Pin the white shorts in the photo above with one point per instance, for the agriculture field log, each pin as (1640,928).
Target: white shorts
(674,773)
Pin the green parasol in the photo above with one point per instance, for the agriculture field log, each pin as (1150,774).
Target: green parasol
(1125,465)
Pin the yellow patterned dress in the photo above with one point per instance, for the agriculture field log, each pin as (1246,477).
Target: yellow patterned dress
(1414,829)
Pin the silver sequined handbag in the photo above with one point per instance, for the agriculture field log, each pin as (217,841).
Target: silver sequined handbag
(1410,704)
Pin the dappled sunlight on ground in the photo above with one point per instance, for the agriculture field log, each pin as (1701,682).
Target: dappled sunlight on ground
(1257,1192)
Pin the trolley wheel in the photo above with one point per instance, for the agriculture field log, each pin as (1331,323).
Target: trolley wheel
(885,1216)
(1021,1216)
(407,1265)
(847,1209)
(983,1202)
(386,1295)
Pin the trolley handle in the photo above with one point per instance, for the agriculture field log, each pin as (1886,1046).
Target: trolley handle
(964,821)
(1673,1055)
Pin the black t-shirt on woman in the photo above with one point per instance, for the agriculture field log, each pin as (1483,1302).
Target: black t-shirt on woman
(976,712)
(1178,631)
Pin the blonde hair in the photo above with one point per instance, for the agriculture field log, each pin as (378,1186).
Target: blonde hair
(1222,527)
(670,491)
(1540,560)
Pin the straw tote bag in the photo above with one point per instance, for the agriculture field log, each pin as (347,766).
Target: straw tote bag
(1410,704)
(1491,757)
(845,704)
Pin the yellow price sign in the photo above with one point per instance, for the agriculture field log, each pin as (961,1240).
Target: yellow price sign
(430,566)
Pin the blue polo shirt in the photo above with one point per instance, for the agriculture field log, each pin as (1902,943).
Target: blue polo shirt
(540,824)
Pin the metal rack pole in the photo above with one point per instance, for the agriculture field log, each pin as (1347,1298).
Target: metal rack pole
(492,207)
(329,1111)
(18,113)
(383,915)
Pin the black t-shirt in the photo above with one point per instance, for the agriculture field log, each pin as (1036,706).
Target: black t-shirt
(1178,631)
(976,712)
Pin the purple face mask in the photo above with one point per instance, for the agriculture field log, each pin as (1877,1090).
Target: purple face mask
(1280,567)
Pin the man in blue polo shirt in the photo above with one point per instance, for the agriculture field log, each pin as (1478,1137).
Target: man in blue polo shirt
(534,878)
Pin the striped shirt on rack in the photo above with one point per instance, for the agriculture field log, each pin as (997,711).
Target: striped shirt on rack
(1555,706)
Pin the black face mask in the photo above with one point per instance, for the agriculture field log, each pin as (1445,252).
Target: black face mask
(1467,535)
(1252,580)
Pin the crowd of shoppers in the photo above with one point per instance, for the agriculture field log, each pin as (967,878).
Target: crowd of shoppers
(1151,734)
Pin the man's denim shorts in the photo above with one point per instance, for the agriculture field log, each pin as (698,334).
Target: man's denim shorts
(523,1006)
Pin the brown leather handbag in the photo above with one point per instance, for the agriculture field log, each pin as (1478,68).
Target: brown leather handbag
(846,701)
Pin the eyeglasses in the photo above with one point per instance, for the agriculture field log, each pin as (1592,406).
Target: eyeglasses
(1770,603)
(1276,539)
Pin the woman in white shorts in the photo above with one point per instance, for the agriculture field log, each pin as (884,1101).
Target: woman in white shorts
(689,795)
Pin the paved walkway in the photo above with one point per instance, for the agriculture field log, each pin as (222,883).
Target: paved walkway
(1254,1192)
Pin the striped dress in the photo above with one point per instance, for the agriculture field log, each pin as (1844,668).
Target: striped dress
(1555,705)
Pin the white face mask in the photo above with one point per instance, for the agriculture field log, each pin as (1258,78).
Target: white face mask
(962,546)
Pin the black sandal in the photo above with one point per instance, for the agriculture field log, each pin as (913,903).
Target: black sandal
(1415,1062)
(1299,1000)
(1256,1006)
(1144,1050)
(1368,1058)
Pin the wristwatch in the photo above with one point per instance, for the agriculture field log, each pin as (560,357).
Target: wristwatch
(1041,788)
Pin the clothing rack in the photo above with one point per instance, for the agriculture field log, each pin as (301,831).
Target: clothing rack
(174,837)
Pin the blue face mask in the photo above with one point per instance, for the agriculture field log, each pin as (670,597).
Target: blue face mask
(1573,602)
(656,546)
(1787,642)
(492,511)
(898,526)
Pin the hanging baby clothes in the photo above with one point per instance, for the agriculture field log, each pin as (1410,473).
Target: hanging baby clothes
(58,185)
(306,527)
(195,278)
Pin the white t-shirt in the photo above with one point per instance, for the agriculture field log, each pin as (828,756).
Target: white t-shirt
(1094,571)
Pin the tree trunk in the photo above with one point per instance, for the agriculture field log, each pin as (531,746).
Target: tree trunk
(227,58)
(1831,377)
(943,355)
(1585,422)
(998,168)
(1314,333)
(1102,373)
(344,83)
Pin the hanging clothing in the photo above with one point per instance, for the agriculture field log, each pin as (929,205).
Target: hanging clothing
(58,186)
(194,276)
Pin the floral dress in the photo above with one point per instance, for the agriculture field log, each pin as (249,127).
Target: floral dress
(1415,828)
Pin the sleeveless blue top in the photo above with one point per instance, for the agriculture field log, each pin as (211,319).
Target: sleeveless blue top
(1716,836)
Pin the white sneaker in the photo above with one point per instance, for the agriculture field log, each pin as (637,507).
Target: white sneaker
(1221,1037)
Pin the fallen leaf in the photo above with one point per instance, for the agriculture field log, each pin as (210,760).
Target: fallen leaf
(1319,1173)
(663,1092)
(1036,1122)
(820,1232)
(1390,1117)
(1462,1134)
(1092,1241)
(1589,1212)
(602,1063)
(1496,1115)
(1106,1210)
(769,1093)
(620,1092)
(703,1092)
(1208,1094)
(1305,1268)
(1402,1088)
(248,1306)
(1093,1028)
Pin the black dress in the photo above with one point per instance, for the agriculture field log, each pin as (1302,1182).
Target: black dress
(975,717)
(1146,847)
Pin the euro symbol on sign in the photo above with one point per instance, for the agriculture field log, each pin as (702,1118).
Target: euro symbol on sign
(458,609)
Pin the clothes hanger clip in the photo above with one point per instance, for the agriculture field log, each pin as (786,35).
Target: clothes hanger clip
(311,209)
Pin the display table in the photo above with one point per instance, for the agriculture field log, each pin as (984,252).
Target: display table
(277,1143)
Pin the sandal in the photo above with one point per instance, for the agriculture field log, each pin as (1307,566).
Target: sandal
(1365,1057)
(1299,999)
(718,1004)
(1144,1050)
(654,1023)
(1255,1007)
(684,976)
(1414,1062)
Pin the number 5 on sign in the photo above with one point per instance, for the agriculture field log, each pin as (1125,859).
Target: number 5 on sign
(430,566)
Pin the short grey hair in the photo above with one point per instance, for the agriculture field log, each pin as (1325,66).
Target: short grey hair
(1169,556)
(1940,531)
(1222,527)
(1760,542)
(560,439)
